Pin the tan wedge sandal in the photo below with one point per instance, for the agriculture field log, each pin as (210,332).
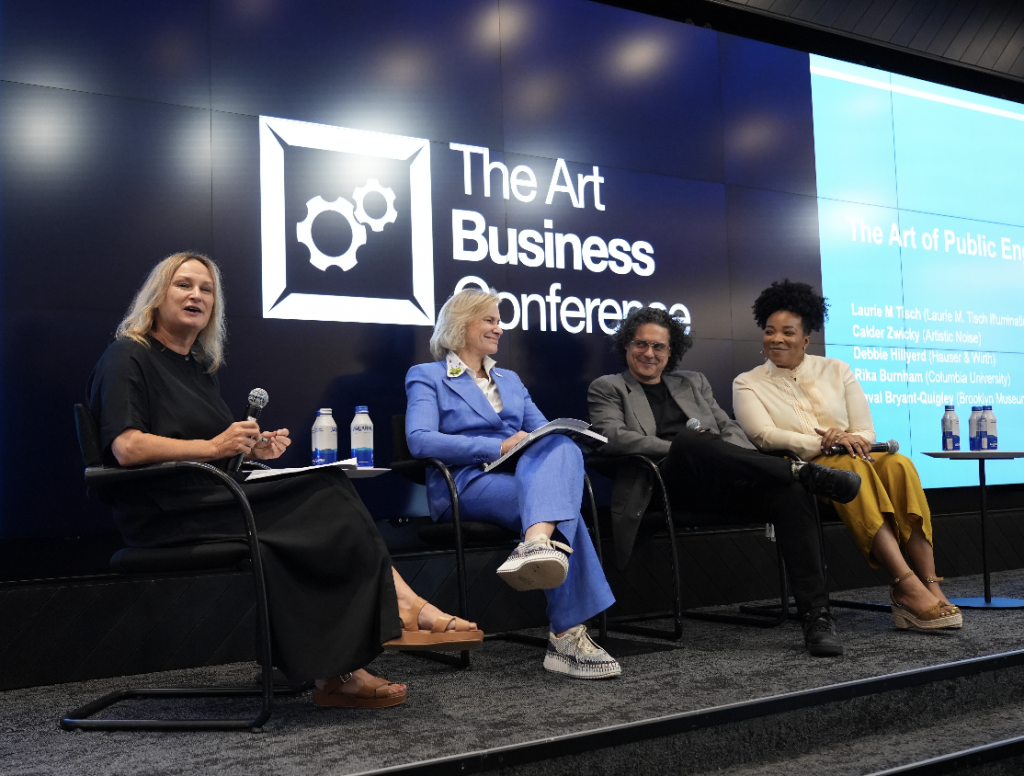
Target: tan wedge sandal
(946,605)
(439,638)
(932,618)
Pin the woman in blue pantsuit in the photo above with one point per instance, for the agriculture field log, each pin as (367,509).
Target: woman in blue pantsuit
(467,413)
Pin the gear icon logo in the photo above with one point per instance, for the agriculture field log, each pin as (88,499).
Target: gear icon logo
(355,215)
(304,233)
(390,215)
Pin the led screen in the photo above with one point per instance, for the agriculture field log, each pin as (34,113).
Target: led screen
(349,171)
(922,240)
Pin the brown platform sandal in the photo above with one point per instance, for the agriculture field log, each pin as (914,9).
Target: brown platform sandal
(438,638)
(372,694)
(946,605)
(932,618)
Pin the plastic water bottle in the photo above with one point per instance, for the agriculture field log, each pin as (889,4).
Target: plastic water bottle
(950,429)
(325,438)
(972,425)
(990,441)
(362,437)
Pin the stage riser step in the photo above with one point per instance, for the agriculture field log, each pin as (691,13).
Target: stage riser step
(897,727)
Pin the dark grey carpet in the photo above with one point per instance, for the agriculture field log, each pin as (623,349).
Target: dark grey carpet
(507,698)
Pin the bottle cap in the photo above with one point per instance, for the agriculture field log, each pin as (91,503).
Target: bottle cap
(950,407)
(324,411)
(975,409)
(361,408)
(986,407)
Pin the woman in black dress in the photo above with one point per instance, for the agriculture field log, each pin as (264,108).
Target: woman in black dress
(334,598)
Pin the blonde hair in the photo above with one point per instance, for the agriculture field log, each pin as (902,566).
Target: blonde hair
(138,321)
(455,316)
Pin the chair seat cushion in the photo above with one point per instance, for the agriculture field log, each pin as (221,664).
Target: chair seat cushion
(472,533)
(192,557)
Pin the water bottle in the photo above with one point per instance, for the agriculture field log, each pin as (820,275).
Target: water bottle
(362,437)
(950,429)
(991,439)
(325,438)
(972,425)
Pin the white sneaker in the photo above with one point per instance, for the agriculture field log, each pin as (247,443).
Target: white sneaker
(577,655)
(536,564)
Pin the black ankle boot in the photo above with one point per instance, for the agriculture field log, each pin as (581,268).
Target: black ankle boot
(836,484)
(820,635)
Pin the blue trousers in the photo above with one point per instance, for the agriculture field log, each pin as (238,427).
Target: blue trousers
(547,487)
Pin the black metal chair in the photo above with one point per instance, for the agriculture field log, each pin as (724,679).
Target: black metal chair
(189,558)
(822,507)
(654,519)
(458,535)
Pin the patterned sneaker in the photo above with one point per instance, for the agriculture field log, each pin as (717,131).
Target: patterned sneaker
(577,655)
(536,564)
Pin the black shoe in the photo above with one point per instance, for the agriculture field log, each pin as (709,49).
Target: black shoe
(836,484)
(820,636)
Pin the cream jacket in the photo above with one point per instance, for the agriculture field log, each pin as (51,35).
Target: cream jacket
(780,408)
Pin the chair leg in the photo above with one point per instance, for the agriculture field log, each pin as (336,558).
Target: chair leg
(595,530)
(79,719)
(624,624)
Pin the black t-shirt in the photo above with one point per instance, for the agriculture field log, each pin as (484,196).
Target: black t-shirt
(670,419)
(154,390)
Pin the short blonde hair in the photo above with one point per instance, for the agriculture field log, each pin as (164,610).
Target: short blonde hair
(458,311)
(138,321)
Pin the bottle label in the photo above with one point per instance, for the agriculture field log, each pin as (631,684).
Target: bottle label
(993,442)
(950,441)
(363,456)
(324,455)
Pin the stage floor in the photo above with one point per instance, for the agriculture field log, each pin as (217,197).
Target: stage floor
(506,698)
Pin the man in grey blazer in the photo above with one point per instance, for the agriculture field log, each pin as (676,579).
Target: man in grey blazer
(714,469)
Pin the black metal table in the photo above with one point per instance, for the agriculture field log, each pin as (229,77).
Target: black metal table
(987,601)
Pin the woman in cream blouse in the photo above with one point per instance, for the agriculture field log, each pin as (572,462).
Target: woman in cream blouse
(807,404)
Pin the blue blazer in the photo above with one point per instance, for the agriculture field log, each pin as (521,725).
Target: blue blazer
(450,419)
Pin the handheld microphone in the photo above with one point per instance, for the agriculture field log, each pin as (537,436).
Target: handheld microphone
(892,446)
(693,424)
(258,399)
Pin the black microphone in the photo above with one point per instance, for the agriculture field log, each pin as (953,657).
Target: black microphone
(258,399)
(892,446)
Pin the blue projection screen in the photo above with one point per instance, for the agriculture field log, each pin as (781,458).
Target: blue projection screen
(922,254)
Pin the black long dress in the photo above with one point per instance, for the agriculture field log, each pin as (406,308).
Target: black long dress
(330,589)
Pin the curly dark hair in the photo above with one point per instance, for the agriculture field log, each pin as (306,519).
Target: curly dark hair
(678,339)
(793,297)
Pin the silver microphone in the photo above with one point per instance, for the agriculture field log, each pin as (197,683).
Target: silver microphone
(693,424)
(258,399)
(892,446)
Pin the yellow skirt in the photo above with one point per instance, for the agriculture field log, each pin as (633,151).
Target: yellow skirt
(890,490)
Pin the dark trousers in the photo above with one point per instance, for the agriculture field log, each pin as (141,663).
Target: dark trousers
(704,473)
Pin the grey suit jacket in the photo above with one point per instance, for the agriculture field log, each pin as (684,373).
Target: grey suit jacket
(620,411)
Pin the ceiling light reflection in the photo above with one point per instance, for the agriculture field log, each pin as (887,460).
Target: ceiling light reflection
(502,25)
(639,57)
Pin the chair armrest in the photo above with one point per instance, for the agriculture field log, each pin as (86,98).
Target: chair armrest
(112,475)
(606,465)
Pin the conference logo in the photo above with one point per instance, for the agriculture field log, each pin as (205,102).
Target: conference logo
(346,224)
